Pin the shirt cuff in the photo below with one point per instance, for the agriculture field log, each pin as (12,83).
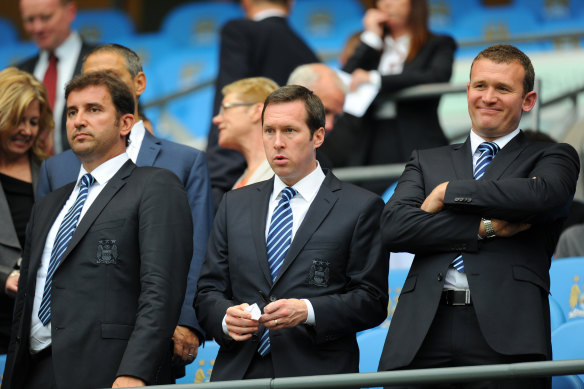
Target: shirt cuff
(310,320)
(224,326)
(372,40)
(375,79)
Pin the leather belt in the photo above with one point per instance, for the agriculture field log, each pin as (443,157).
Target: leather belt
(456,297)
(46,352)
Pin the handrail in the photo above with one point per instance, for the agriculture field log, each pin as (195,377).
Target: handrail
(401,377)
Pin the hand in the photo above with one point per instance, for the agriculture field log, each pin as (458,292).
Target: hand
(240,326)
(186,344)
(374,20)
(124,381)
(434,203)
(11,286)
(504,229)
(285,313)
(358,77)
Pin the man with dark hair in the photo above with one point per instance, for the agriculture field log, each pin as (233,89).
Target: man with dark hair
(189,165)
(482,219)
(262,45)
(305,248)
(104,268)
(48,22)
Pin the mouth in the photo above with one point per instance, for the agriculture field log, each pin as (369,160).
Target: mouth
(80,136)
(280,160)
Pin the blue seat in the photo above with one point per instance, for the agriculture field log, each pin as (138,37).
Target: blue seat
(8,32)
(568,341)
(389,192)
(199,23)
(103,25)
(200,370)
(395,281)
(181,70)
(370,347)
(567,286)
(554,9)
(442,14)
(12,54)
(567,382)
(557,316)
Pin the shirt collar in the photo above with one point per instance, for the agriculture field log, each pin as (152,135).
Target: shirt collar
(136,138)
(104,172)
(72,44)
(268,14)
(475,140)
(403,42)
(307,187)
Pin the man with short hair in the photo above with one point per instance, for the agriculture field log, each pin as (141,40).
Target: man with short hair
(104,270)
(482,219)
(303,246)
(61,52)
(146,150)
(260,45)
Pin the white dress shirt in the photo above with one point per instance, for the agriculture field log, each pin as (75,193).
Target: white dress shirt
(67,55)
(136,138)
(455,280)
(40,335)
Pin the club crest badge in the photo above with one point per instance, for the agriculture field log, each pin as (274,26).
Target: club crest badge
(319,273)
(107,252)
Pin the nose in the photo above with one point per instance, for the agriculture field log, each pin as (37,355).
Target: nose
(489,97)
(278,140)
(79,120)
(217,119)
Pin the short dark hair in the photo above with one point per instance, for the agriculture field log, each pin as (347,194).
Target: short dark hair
(315,116)
(133,61)
(508,54)
(120,93)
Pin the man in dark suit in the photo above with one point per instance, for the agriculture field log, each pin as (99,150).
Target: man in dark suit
(146,150)
(62,50)
(483,233)
(263,45)
(320,276)
(105,260)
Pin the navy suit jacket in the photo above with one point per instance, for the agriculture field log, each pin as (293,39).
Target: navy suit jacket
(508,277)
(189,165)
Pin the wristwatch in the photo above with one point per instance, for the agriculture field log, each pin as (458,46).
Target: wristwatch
(489,230)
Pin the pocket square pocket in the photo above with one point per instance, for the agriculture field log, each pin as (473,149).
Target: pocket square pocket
(107,252)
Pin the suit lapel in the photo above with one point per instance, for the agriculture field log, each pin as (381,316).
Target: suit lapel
(112,187)
(8,235)
(319,209)
(505,157)
(259,211)
(462,160)
(148,150)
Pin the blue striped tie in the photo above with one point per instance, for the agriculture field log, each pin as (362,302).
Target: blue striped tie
(277,244)
(488,151)
(64,235)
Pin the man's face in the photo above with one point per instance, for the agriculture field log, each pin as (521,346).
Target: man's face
(92,129)
(495,98)
(48,22)
(234,122)
(332,98)
(289,147)
(113,63)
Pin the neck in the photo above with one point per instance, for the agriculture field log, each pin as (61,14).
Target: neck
(398,32)
(257,8)
(253,150)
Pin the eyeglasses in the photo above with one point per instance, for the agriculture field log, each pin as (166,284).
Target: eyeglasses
(226,106)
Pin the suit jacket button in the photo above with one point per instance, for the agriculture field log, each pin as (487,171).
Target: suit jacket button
(273,298)
(440,277)
(18,339)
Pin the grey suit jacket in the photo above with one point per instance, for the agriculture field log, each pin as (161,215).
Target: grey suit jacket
(336,260)
(117,292)
(508,277)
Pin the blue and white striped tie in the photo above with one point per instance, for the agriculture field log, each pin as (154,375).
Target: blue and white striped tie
(488,151)
(64,235)
(277,244)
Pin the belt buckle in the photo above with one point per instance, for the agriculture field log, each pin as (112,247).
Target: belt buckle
(466,299)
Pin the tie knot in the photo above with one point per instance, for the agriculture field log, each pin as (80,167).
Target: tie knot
(489,148)
(53,57)
(288,193)
(87,180)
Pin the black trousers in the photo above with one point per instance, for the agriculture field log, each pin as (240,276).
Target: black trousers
(455,339)
(41,373)
(260,367)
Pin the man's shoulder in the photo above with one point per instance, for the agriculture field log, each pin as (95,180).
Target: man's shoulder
(66,157)
(179,152)
(28,64)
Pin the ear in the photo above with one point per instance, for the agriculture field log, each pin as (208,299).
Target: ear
(529,101)
(71,9)
(126,123)
(140,83)
(318,137)
(256,112)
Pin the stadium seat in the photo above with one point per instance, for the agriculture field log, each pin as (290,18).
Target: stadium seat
(395,281)
(8,32)
(200,370)
(567,382)
(567,286)
(199,23)
(444,13)
(12,54)
(389,192)
(568,342)
(103,25)
(557,316)
(181,70)
(370,347)
(554,9)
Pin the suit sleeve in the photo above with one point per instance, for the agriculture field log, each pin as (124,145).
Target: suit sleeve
(364,301)
(165,242)
(214,287)
(201,203)
(544,195)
